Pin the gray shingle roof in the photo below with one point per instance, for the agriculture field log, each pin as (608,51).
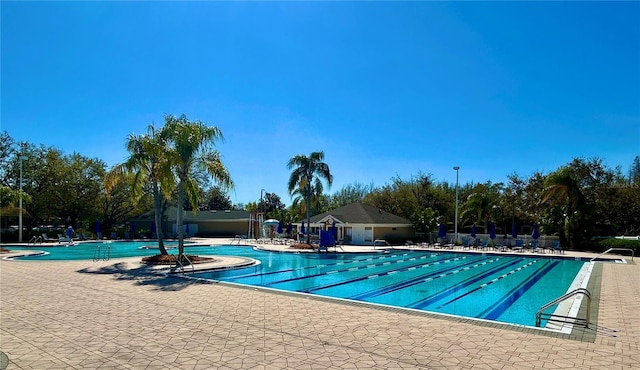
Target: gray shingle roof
(360,213)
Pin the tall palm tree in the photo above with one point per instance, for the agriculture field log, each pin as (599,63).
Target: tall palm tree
(562,188)
(307,174)
(148,164)
(191,146)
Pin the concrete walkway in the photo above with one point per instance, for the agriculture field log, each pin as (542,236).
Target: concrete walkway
(122,315)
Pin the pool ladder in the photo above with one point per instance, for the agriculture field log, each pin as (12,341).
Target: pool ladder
(105,257)
(614,249)
(555,318)
(180,266)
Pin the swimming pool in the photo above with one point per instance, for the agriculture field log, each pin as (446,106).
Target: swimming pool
(90,250)
(493,287)
(497,287)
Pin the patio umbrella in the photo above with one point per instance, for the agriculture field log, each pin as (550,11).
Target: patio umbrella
(514,231)
(133,227)
(69,232)
(473,231)
(334,230)
(442,231)
(492,230)
(289,228)
(97,226)
(279,227)
(186,230)
(153,226)
(535,234)
(302,228)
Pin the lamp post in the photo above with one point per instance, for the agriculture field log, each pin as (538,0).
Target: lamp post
(456,168)
(22,158)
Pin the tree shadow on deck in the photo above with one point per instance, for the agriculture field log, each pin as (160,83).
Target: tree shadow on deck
(143,275)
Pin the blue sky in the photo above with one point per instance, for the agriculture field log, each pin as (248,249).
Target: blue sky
(384,88)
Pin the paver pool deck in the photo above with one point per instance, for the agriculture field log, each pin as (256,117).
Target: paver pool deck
(118,314)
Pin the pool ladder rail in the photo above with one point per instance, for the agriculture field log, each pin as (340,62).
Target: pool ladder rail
(562,318)
(180,266)
(36,240)
(105,257)
(615,249)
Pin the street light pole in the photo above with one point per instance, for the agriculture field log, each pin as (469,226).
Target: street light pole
(456,168)
(22,158)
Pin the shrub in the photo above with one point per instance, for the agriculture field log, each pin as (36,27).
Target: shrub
(604,244)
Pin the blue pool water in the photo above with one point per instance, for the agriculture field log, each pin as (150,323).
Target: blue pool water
(87,251)
(497,287)
(493,287)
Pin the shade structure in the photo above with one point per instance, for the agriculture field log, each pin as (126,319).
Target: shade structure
(302,230)
(473,231)
(280,227)
(514,231)
(442,231)
(97,226)
(492,230)
(535,234)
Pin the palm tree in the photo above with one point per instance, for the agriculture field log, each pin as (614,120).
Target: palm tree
(307,174)
(562,188)
(191,146)
(148,165)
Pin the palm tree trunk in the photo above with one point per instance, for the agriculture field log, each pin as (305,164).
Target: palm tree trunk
(308,211)
(158,210)
(179,219)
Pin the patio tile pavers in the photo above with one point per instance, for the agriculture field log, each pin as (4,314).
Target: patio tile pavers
(80,314)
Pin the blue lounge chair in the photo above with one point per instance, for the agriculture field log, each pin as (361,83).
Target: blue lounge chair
(556,247)
(519,245)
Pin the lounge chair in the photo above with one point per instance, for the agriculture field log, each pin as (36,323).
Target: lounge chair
(64,239)
(114,236)
(556,247)
(484,245)
(47,238)
(519,245)
(535,246)
(99,235)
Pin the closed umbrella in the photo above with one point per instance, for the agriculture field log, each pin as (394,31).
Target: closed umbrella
(492,230)
(514,231)
(133,227)
(535,234)
(302,231)
(186,230)
(70,232)
(473,231)
(334,229)
(442,231)
(289,228)
(280,227)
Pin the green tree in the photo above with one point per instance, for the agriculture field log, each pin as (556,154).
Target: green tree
(563,189)
(147,167)
(350,193)
(308,173)
(215,198)
(190,147)
(634,171)
(479,205)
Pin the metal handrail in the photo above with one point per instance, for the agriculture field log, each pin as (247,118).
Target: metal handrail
(562,298)
(615,249)
(96,254)
(179,262)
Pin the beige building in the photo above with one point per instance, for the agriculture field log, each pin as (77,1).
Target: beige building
(362,224)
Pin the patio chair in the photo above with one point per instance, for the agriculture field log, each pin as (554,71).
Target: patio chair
(519,245)
(47,238)
(556,247)
(484,244)
(535,246)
